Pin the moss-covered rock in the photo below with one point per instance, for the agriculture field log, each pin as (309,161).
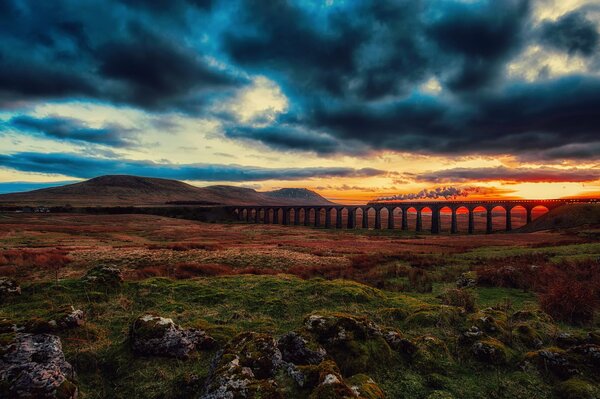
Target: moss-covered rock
(297,350)
(34,366)
(330,384)
(399,343)
(432,354)
(490,321)
(440,395)
(436,316)
(576,388)
(552,360)
(8,288)
(490,351)
(364,387)
(527,336)
(466,280)
(104,276)
(65,318)
(460,297)
(566,340)
(159,336)
(355,343)
(588,354)
(245,369)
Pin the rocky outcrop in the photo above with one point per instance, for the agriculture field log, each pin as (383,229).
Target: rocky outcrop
(106,276)
(490,351)
(466,280)
(153,335)
(64,318)
(8,288)
(245,369)
(295,349)
(34,366)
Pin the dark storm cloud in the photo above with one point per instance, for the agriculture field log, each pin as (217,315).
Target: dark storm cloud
(86,167)
(520,119)
(572,32)
(106,51)
(352,71)
(152,70)
(481,38)
(69,129)
(502,173)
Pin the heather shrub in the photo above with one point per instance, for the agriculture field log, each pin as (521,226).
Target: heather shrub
(419,280)
(571,301)
(459,297)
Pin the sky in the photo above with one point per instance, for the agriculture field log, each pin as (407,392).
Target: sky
(353,99)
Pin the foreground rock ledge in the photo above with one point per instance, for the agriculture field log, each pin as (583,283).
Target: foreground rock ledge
(34,366)
(153,335)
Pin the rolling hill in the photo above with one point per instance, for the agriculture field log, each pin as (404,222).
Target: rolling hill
(566,217)
(125,190)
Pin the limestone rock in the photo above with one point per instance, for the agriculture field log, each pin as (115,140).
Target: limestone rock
(8,288)
(107,276)
(158,336)
(34,366)
(552,360)
(490,351)
(295,349)
(245,369)
(466,280)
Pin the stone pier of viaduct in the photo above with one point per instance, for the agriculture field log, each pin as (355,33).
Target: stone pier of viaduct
(301,215)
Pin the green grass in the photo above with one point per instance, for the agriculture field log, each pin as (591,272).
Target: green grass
(225,306)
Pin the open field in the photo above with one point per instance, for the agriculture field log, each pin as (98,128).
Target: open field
(232,278)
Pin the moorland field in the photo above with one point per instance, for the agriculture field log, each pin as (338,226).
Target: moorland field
(393,314)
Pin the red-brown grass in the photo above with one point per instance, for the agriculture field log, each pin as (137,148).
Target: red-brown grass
(185,246)
(568,290)
(16,261)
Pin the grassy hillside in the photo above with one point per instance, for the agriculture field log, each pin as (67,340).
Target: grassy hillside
(567,217)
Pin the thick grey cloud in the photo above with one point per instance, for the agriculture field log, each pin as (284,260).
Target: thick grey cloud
(87,167)
(573,33)
(69,129)
(352,71)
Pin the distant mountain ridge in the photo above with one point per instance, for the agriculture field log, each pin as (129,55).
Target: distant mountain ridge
(126,190)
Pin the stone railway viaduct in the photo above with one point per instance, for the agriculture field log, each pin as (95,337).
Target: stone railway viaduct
(271,214)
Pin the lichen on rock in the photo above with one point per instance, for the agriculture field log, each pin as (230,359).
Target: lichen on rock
(34,366)
(8,288)
(159,336)
(106,276)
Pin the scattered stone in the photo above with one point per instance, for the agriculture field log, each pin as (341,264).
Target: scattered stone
(364,387)
(8,288)
(398,343)
(34,366)
(158,336)
(466,280)
(107,276)
(490,351)
(553,360)
(331,385)
(590,353)
(340,327)
(294,349)
(566,340)
(529,337)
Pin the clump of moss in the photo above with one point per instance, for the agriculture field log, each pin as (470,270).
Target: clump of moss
(490,351)
(365,387)
(432,354)
(355,343)
(463,298)
(576,388)
(552,360)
